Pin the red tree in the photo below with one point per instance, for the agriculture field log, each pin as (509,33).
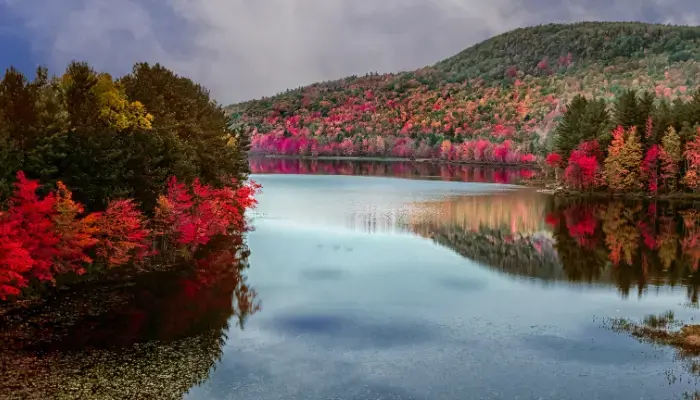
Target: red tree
(650,168)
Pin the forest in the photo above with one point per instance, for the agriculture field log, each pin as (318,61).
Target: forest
(98,173)
(507,100)
(654,147)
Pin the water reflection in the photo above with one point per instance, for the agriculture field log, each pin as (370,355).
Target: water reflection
(629,244)
(400,169)
(638,244)
(155,336)
(634,245)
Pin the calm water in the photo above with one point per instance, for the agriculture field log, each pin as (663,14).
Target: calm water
(373,287)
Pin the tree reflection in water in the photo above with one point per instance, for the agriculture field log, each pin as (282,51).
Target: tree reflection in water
(154,336)
(403,169)
(628,244)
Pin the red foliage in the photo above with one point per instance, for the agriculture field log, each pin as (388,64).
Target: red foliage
(31,219)
(581,223)
(552,219)
(692,157)
(15,261)
(554,160)
(192,217)
(582,171)
(650,168)
(41,238)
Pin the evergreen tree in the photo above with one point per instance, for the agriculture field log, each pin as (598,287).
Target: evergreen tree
(584,120)
(662,118)
(645,111)
(626,112)
(107,139)
(184,108)
(81,102)
(241,140)
(17,108)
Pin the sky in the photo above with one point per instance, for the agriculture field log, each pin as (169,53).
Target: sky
(245,49)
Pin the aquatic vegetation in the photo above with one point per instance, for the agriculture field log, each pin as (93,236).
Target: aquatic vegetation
(664,329)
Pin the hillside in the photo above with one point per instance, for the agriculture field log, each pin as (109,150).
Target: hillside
(498,101)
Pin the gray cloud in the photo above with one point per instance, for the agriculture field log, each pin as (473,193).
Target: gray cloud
(244,49)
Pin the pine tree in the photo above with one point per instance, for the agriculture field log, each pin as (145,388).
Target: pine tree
(662,120)
(645,111)
(583,121)
(567,135)
(626,113)
(241,140)
(18,108)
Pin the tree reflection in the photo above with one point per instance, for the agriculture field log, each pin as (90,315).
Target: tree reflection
(633,245)
(402,169)
(505,231)
(158,334)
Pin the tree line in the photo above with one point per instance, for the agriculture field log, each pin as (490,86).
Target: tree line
(111,138)
(639,144)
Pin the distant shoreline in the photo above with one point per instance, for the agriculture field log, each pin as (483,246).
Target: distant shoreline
(392,159)
(546,186)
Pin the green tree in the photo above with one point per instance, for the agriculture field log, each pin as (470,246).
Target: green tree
(185,109)
(626,112)
(583,120)
(101,138)
(18,108)
(240,139)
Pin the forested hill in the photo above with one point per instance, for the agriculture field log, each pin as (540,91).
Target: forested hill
(497,101)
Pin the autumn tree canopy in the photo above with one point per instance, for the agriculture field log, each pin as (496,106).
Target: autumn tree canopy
(107,138)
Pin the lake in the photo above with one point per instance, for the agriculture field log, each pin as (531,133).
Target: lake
(361,284)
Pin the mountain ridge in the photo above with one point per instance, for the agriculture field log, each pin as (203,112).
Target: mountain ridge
(501,98)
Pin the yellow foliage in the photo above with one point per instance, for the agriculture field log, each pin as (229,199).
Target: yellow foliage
(117,110)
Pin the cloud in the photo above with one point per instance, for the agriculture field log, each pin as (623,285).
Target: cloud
(244,49)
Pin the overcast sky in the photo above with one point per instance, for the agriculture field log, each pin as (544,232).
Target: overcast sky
(243,49)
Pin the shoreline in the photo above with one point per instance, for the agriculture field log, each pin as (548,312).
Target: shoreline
(545,187)
(541,185)
(393,159)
